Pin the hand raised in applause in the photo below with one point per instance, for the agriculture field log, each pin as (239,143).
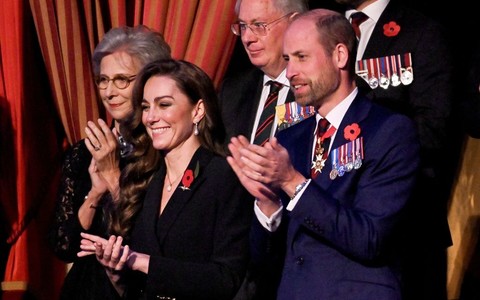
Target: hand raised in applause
(110,253)
(103,145)
(260,170)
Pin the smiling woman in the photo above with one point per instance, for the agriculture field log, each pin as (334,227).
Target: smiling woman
(91,169)
(183,217)
(49,89)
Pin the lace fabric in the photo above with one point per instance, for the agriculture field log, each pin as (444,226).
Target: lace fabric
(64,235)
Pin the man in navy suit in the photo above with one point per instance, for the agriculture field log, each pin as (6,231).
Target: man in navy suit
(260,26)
(333,221)
(404,63)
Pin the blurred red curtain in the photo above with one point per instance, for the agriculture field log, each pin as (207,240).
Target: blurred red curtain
(47,95)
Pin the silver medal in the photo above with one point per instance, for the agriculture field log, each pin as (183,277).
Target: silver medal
(395,80)
(373,82)
(407,76)
(384,81)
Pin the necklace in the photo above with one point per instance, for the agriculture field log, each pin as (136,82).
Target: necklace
(170,183)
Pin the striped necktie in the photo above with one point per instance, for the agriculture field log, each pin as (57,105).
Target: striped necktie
(265,123)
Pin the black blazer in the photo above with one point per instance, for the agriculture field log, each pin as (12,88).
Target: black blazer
(239,98)
(199,245)
(427,101)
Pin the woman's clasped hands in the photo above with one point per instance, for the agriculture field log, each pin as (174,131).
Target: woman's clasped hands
(110,253)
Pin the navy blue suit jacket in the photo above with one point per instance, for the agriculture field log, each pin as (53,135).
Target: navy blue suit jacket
(341,239)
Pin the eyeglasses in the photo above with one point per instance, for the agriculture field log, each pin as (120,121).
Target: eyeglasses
(258,28)
(120,81)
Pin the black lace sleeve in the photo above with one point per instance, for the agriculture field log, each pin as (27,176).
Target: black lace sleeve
(75,184)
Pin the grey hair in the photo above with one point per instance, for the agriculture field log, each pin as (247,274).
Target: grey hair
(139,42)
(285,6)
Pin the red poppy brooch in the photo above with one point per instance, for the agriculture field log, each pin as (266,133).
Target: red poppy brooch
(188,177)
(352,131)
(391,29)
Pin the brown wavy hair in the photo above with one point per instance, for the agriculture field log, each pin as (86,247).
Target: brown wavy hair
(144,161)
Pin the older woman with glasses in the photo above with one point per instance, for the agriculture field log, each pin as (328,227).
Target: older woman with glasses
(91,168)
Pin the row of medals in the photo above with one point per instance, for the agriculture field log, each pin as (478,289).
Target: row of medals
(341,169)
(386,71)
(338,169)
(294,114)
(346,158)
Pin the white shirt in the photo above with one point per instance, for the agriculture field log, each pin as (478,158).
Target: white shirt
(373,11)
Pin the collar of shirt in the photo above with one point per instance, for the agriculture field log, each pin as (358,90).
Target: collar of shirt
(373,11)
(335,116)
(282,95)
(282,78)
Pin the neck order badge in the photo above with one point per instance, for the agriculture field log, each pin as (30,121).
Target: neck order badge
(322,142)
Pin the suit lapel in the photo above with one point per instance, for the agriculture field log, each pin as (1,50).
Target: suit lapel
(357,111)
(151,206)
(181,196)
(379,44)
(248,101)
(290,96)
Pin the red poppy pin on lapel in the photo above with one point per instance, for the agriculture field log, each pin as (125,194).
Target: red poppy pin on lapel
(188,177)
(348,156)
(391,29)
(352,131)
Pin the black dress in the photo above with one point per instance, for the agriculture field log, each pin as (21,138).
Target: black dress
(87,278)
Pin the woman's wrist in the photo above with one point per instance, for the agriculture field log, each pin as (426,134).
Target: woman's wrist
(92,200)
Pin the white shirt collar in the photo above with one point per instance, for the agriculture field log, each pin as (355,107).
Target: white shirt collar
(373,10)
(335,116)
(282,78)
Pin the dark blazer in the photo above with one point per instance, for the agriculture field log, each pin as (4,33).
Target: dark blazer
(342,236)
(239,98)
(199,244)
(470,105)
(427,101)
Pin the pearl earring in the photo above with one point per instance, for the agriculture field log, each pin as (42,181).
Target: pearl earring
(195,131)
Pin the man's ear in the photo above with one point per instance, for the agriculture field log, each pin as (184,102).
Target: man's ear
(341,55)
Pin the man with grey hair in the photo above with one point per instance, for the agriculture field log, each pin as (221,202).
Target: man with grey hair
(243,96)
(260,25)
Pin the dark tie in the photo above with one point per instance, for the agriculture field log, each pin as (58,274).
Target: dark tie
(322,142)
(357,19)
(268,114)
